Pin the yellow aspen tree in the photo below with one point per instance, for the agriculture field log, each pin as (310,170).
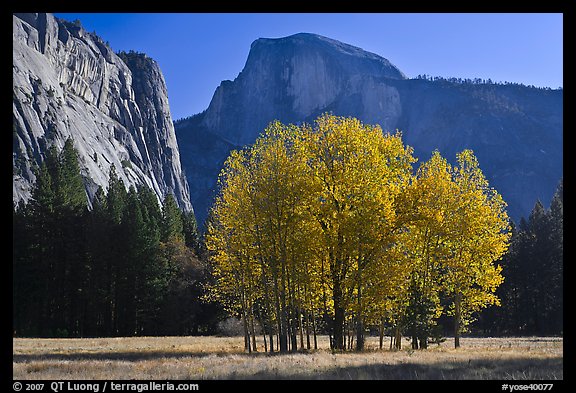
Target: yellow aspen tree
(480,237)
(278,194)
(329,219)
(355,171)
(231,247)
(257,228)
(425,205)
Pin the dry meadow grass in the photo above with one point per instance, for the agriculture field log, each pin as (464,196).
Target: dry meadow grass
(201,358)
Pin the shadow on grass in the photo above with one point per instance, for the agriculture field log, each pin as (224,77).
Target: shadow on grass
(120,356)
(498,369)
(520,368)
(142,355)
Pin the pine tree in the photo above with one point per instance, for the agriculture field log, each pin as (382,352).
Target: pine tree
(116,196)
(172,225)
(556,239)
(537,266)
(72,191)
(72,203)
(533,290)
(26,284)
(101,303)
(116,201)
(190,231)
(104,271)
(129,265)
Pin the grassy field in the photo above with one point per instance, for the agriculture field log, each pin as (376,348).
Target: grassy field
(199,358)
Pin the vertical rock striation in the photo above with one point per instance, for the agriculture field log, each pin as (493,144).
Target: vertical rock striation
(69,83)
(515,131)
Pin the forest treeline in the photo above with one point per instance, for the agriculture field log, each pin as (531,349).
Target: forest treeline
(316,229)
(125,267)
(478,81)
(532,293)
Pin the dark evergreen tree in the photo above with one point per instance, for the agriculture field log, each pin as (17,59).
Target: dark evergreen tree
(99,302)
(172,226)
(190,227)
(536,266)
(152,272)
(72,205)
(124,267)
(116,198)
(150,207)
(131,239)
(41,256)
(532,293)
(556,239)
(26,294)
(71,189)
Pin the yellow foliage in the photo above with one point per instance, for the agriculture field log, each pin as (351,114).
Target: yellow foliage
(330,217)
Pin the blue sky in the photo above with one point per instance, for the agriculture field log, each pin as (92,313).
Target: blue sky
(197,51)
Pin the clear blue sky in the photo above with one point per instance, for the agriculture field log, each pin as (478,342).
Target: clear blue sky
(197,51)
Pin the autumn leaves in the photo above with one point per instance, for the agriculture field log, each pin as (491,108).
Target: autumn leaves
(327,227)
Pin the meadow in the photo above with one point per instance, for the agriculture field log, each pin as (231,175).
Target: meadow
(206,358)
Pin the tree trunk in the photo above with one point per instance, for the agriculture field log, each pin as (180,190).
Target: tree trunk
(339,328)
(301,329)
(359,334)
(247,346)
(284,303)
(359,323)
(307,322)
(339,316)
(382,334)
(266,324)
(271,340)
(294,334)
(398,338)
(314,330)
(457,317)
(423,342)
(282,343)
(253,331)
(414,342)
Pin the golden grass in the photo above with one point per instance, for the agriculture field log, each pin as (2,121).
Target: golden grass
(197,358)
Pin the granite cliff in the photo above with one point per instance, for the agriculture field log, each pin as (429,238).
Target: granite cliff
(67,83)
(514,130)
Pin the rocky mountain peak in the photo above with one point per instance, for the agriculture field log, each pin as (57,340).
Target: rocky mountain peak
(69,83)
(291,78)
(349,58)
(515,131)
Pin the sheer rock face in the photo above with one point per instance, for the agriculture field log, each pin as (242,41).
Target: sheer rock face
(292,78)
(69,83)
(515,131)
